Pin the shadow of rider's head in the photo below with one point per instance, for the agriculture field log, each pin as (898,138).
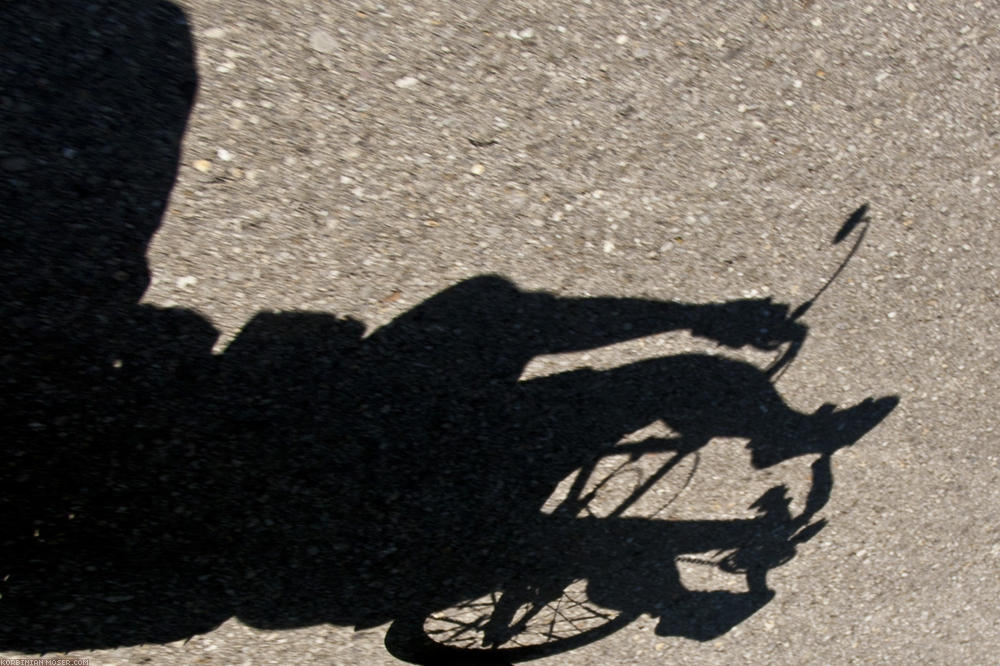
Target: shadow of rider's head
(96,98)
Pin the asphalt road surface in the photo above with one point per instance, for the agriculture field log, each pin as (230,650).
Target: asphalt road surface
(322,322)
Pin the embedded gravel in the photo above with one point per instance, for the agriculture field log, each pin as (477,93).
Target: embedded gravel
(341,163)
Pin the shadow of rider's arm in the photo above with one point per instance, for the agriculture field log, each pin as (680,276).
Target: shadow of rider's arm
(574,324)
(487,327)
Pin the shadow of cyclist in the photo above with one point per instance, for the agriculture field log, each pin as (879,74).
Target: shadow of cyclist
(444,458)
(153,490)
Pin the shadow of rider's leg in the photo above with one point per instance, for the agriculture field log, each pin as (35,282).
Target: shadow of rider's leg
(700,397)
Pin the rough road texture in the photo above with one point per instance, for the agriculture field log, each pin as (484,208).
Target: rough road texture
(208,205)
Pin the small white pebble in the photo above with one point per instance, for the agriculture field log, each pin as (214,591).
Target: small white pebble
(477,169)
(407,82)
(817,22)
(186,281)
(609,247)
(215,33)
(224,154)
(621,39)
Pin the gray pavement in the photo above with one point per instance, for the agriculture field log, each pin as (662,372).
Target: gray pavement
(353,160)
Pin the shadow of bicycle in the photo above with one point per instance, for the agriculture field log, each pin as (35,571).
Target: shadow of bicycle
(309,474)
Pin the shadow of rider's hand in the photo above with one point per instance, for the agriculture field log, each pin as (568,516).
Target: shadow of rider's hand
(759,323)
